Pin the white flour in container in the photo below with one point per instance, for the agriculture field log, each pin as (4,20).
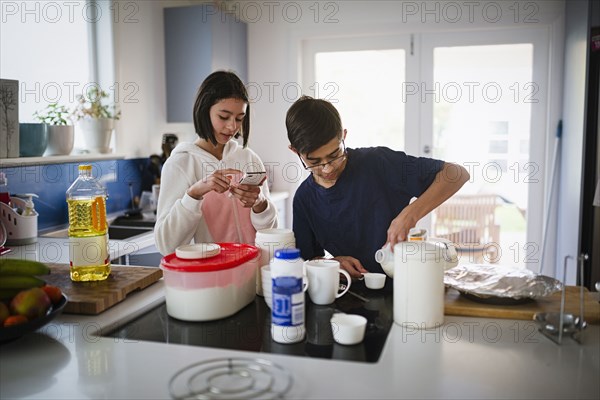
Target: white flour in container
(208,303)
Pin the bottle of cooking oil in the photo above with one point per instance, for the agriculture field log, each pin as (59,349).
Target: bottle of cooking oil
(88,232)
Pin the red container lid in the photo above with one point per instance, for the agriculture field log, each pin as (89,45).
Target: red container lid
(231,256)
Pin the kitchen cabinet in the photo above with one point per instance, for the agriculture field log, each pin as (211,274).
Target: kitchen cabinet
(199,40)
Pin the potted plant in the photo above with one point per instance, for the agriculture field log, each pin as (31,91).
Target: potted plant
(95,119)
(61,134)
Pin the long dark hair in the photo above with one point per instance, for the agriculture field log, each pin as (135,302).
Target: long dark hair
(218,86)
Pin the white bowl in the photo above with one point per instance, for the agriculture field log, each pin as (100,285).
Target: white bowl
(374,280)
(348,329)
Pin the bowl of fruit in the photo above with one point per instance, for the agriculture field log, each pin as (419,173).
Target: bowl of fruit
(26,302)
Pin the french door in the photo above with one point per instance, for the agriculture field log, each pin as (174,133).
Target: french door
(476,99)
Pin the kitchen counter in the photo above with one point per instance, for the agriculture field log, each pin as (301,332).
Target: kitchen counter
(52,245)
(465,358)
(56,249)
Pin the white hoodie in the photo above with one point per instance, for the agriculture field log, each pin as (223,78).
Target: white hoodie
(182,219)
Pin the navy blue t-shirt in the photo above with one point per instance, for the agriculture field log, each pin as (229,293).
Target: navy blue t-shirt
(352,217)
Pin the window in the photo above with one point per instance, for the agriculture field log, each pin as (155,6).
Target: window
(45,47)
(364,101)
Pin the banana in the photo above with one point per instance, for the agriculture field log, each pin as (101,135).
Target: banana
(13,267)
(20,282)
(7,294)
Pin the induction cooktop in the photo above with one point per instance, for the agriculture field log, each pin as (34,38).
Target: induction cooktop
(249,328)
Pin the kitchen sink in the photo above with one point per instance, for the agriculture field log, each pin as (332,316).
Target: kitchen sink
(124,228)
(126,232)
(146,220)
(120,228)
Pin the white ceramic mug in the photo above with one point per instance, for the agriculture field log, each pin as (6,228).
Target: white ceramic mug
(324,278)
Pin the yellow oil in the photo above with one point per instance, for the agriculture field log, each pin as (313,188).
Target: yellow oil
(88,236)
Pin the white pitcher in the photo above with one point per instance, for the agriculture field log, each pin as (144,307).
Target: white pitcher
(419,281)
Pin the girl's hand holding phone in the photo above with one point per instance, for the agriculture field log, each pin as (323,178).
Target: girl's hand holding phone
(247,190)
(219,181)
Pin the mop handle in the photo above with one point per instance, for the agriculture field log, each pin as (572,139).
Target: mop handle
(549,195)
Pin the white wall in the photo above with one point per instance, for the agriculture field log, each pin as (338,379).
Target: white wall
(140,73)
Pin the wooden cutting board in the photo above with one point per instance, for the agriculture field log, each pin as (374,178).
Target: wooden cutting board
(456,304)
(95,297)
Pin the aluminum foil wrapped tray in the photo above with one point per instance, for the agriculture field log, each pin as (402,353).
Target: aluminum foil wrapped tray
(484,281)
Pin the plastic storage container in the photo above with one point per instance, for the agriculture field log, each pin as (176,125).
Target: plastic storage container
(88,231)
(288,305)
(210,288)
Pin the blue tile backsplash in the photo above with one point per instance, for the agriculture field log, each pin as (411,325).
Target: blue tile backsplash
(51,181)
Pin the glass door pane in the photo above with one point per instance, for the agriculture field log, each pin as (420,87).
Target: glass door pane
(481,119)
(364,86)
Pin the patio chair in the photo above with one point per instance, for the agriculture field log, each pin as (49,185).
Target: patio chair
(469,222)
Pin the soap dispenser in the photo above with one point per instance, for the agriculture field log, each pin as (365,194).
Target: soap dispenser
(20,219)
(29,209)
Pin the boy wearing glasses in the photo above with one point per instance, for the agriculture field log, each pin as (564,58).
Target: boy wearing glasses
(357,200)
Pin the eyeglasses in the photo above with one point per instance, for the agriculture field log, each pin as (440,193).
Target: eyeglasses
(334,163)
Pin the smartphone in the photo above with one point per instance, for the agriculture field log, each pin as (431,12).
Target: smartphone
(253,178)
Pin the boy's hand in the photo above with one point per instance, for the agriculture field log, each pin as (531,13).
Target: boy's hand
(400,226)
(352,265)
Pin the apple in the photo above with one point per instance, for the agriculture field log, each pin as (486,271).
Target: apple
(31,303)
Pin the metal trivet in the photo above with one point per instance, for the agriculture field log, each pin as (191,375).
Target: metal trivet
(231,378)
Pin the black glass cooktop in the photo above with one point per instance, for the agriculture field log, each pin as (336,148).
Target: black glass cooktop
(249,328)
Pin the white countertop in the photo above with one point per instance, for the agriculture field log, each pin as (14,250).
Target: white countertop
(56,250)
(465,358)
